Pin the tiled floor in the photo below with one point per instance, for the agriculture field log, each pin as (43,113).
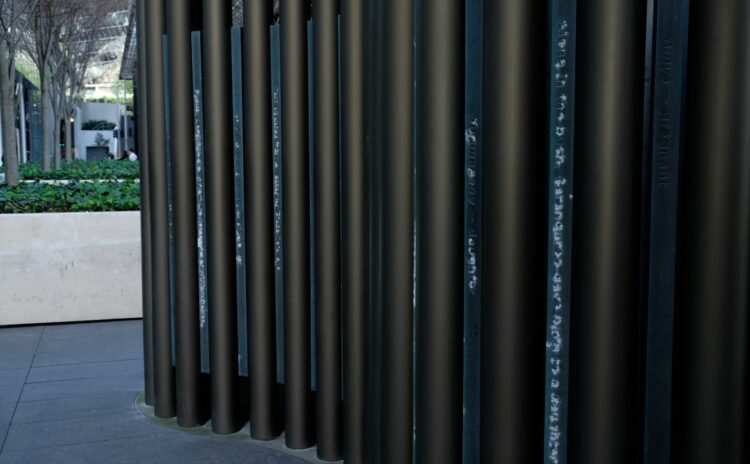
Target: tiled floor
(68,395)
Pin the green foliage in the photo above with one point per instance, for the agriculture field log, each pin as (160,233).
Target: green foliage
(80,169)
(127,100)
(100,140)
(98,124)
(37,197)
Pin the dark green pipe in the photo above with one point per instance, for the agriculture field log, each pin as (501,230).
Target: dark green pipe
(605,381)
(327,228)
(514,209)
(710,415)
(259,220)
(182,16)
(146,268)
(373,77)
(395,189)
(440,241)
(220,229)
(352,228)
(164,383)
(300,415)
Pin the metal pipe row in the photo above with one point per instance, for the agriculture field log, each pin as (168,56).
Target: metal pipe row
(388,348)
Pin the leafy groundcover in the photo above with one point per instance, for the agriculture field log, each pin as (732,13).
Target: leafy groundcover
(75,196)
(77,170)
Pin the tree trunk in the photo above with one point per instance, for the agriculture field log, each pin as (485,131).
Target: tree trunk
(68,142)
(58,154)
(45,125)
(8,115)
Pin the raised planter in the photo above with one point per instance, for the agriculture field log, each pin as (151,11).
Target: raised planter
(63,267)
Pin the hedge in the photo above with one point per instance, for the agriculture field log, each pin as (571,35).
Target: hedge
(79,169)
(76,196)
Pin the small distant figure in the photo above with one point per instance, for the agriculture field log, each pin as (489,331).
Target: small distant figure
(132,155)
(110,156)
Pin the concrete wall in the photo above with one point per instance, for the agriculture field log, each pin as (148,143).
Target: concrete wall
(85,138)
(94,111)
(102,111)
(69,267)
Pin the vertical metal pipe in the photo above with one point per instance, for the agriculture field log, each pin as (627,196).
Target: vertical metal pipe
(238,144)
(605,343)
(372,108)
(200,197)
(394,222)
(190,410)
(164,384)
(219,159)
(259,220)
(327,227)
(559,227)
(640,376)
(514,207)
(440,199)
(669,50)
(352,227)
(277,216)
(142,119)
(710,370)
(296,227)
(472,222)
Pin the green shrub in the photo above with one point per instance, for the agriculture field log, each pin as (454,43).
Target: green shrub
(80,169)
(73,197)
(100,140)
(128,100)
(98,124)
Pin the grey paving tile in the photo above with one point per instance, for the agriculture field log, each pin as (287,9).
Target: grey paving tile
(79,430)
(20,338)
(82,387)
(130,328)
(40,456)
(89,344)
(80,337)
(86,453)
(17,346)
(84,371)
(6,413)
(15,360)
(72,408)
(190,449)
(12,376)
(103,354)
(10,393)
(171,448)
